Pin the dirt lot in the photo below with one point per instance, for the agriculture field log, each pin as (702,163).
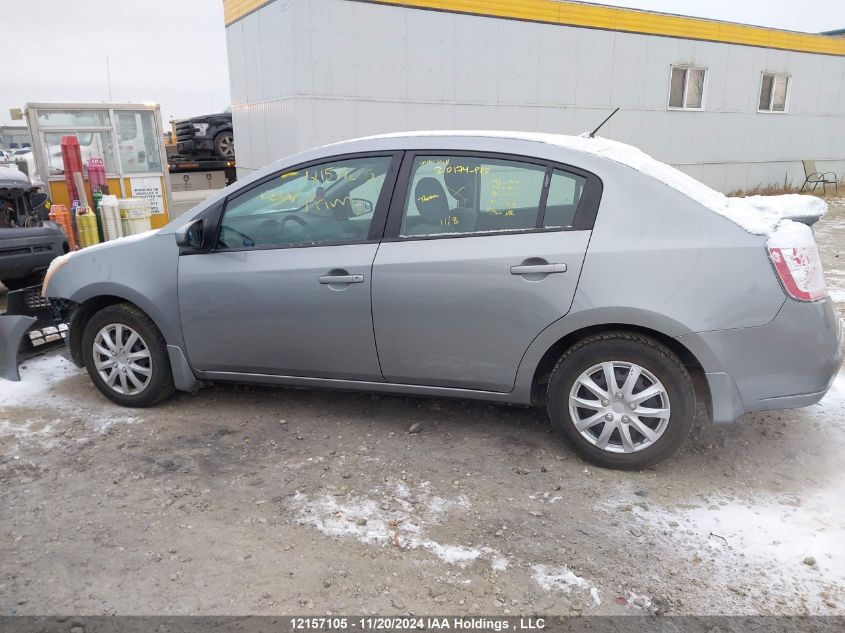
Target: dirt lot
(249,500)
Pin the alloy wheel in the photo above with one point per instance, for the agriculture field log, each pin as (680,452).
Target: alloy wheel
(619,407)
(122,359)
(227,146)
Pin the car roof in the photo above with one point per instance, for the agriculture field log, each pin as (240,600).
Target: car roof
(604,157)
(424,139)
(592,154)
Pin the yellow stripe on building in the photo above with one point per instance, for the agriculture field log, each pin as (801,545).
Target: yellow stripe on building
(607,18)
(236,9)
(633,21)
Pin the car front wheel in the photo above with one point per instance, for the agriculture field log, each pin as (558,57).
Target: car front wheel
(621,400)
(126,356)
(224,144)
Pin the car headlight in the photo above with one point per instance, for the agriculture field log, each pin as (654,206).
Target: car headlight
(201,128)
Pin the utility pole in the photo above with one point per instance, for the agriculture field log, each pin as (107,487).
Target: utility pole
(108,76)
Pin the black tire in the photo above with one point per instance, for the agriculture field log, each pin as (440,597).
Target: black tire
(623,347)
(224,144)
(24,282)
(160,384)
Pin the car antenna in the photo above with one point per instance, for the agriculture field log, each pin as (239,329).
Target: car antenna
(593,133)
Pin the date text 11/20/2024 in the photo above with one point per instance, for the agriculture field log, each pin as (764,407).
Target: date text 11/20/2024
(416,623)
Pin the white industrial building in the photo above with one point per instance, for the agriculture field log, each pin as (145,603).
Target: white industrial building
(733,105)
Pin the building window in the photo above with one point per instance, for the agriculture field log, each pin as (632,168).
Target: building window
(686,88)
(773,93)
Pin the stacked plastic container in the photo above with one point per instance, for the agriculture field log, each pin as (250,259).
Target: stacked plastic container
(110,217)
(72,163)
(96,174)
(61,216)
(134,215)
(86,223)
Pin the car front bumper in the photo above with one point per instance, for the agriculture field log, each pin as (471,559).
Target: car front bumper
(195,145)
(31,325)
(786,364)
(25,254)
(12,331)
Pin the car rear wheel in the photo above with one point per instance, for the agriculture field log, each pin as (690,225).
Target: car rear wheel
(621,400)
(224,144)
(126,356)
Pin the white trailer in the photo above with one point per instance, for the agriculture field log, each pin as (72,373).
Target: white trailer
(732,105)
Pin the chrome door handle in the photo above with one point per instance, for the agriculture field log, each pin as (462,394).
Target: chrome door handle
(341,279)
(538,269)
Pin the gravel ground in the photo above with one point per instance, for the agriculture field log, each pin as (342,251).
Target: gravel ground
(257,501)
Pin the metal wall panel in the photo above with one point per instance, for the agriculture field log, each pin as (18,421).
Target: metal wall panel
(307,73)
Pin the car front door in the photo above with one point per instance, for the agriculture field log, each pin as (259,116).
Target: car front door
(285,289)
(481,253)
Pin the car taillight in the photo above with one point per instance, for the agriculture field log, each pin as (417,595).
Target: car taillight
(800,271)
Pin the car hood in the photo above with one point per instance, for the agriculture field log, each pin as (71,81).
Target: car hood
(13,177)
(227,116)
(104,248)
(88,255)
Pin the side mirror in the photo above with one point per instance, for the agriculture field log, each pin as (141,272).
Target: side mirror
(191,235)
(361,206)
(39,203)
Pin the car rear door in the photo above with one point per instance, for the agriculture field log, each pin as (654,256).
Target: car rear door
(286,288)
(481,253)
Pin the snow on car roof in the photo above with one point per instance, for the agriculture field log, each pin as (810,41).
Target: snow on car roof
(759,215)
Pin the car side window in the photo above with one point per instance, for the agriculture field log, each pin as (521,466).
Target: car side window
(564,195)
(460,194)
(329,203)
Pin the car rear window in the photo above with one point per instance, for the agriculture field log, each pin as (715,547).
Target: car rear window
(564,195)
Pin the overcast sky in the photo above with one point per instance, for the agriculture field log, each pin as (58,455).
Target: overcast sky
(792,15)
(174,51)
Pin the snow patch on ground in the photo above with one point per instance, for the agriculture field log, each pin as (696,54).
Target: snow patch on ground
(639,601)
(778,534)
(29,430)
(785,542)
(38,375)
(834,402)
(561,578)
(36,390)
(779,540)
(399,518)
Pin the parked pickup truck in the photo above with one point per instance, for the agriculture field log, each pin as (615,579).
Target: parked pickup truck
(209,135)
(28,240)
